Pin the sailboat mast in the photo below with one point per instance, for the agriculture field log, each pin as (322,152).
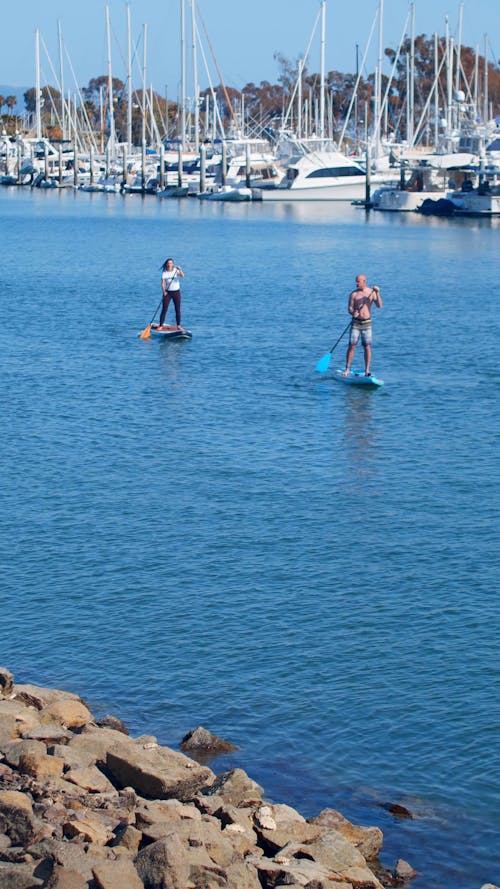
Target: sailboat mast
(322,86)
(485,97)
(38,96)
(378,97)
(129,81)
(61,79)
(411,95)
(195,79)
(183,73)
(110,88)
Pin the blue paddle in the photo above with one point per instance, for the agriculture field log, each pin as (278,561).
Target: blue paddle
(324,363)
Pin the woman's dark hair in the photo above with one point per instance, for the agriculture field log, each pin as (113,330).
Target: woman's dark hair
(164,266)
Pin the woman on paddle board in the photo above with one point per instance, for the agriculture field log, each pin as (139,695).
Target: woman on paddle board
(359,306)
(171,289)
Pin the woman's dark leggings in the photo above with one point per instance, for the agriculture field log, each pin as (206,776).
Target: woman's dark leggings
(176,296)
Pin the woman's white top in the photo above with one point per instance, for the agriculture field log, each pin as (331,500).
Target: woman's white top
(171,280)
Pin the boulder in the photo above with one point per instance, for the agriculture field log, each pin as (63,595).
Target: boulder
(90,779)
(89,828)
(164,864)
(15,749)
(71,856)
(368,840)
(127,837)
(6,682)
(117,875)
(40,765)
(35,696)
(156,811)
(93,744)
(15,718)
(64,878)
(16,817)
(70,713)
(397,809)
(202,741)
(114,723)
(235,787)
(18,876)
(51,733)
(404,871)
(159,772)
(279,825)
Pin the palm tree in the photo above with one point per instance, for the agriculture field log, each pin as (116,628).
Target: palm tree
(2,103)
(11,102)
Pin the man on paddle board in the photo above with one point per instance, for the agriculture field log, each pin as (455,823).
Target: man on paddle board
(359,306)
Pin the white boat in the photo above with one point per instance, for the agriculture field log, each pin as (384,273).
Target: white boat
(322,176)
(429,179)
(231,193)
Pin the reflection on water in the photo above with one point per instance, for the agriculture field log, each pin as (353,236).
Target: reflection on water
(359,436)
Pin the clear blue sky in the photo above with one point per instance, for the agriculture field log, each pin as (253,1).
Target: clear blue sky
(244,34)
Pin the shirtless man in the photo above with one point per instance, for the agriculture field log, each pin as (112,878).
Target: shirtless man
(360,303)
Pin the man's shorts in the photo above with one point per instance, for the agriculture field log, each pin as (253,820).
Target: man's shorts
(363,330)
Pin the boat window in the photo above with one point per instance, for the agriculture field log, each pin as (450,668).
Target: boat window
(330,172)
(291,174)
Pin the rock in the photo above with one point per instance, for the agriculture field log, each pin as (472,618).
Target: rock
(40,765)
(301,872)
(15,718)
(13,751)
(93,744)
(18,876)
(164,864)
(404,871)
(156,811)
(114,723)
(4,842)
(52,732)
(16,817)
(159,773)
(90,828)
(90,779)
(63,878)
(127,837)
(35,696)
(202,741)
(235,787)
(396,809)
(335,852)
(368,840)
(70,713)
(72,856)
(280,825)
(6,682)
(117,875)
(489,886)
(74,758)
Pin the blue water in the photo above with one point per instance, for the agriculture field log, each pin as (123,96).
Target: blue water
(211,533)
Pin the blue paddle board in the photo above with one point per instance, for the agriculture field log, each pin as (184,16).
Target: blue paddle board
(169,332)
(357,378)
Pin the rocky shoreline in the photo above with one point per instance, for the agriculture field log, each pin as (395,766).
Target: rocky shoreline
(85,806)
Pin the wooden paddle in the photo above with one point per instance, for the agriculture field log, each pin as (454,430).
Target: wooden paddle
(146,333)
(324,363)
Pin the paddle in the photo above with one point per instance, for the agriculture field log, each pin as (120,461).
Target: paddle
(146,333)
(324,363)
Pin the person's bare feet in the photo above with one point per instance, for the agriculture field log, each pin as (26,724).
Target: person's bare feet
(346,372)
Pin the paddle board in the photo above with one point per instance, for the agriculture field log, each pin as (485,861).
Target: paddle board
(169,332)
(357,378)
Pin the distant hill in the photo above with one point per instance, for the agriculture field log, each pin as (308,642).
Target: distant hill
(17,91)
